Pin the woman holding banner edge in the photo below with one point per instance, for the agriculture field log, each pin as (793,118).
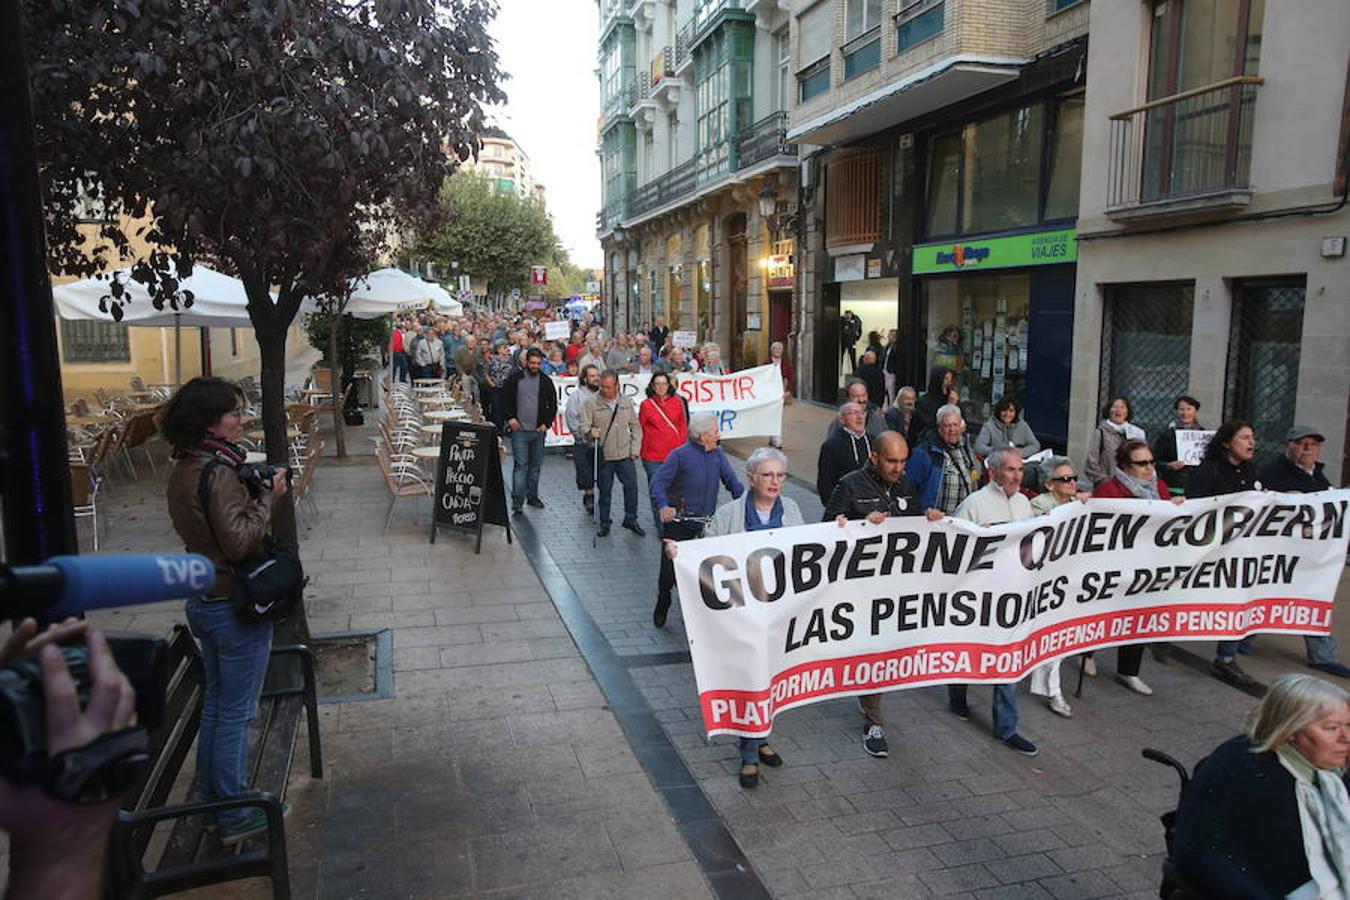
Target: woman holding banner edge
(761,508)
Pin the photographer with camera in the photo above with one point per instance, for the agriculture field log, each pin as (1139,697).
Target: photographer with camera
(58,844)
(221,507)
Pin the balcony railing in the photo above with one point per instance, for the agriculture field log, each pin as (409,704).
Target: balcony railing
(639,90)
(671,186)
(1193,145)
(765,139)
(684,46)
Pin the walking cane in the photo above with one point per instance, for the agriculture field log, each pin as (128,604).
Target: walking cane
(595,486)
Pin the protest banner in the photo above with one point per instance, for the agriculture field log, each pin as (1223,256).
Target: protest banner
(557,331)
(1191,444)
(777,619)
(686,340)
(747,403)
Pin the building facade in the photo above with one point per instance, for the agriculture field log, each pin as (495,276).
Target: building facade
(503,161)
(699,189)
(942,148)
(1213,220)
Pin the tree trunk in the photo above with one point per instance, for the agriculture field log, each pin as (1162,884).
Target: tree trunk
(335,324)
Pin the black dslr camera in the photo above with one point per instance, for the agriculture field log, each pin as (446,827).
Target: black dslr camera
(261,477)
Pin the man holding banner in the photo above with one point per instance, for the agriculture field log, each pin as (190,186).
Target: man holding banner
(874,493)
(999,501)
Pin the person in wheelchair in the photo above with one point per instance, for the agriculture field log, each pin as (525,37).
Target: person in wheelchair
(1266,815)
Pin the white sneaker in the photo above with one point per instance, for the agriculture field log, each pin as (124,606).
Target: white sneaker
(1136,684)
(1060,707)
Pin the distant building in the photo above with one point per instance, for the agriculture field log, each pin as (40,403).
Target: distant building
(507,165)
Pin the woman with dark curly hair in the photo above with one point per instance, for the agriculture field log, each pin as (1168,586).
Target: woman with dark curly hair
(203,422)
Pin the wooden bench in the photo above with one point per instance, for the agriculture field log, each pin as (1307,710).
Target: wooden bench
(193,856)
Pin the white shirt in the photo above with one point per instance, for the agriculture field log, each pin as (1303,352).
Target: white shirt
(991,506)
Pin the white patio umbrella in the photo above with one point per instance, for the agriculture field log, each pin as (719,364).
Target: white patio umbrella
(219,301)
(386,291)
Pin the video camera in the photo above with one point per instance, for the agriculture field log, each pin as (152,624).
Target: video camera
(72,585)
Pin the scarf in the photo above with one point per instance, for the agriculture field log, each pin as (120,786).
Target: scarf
(208,447)
(1144,490)
(752,522)
(1324,812)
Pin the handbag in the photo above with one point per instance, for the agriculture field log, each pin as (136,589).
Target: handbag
(267,587)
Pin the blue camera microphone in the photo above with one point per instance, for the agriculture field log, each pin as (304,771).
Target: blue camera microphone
(71,585)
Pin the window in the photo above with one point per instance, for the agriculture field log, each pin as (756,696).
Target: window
(861,16)
(918,22)
(1066,155)
(1146,349)
(782,88)
(977,327)
(1263,359)
(234,342)
(814,81)
(648,157)
(618,70)
(815,33)
(986,177)
(619,164)
(94,342)
(1054,6)
(672,140)
(722,73)
(944,183)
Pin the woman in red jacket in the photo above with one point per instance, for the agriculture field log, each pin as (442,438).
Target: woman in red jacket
(1136,478)
(664,427)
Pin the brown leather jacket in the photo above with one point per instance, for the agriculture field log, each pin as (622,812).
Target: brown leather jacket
(239,521)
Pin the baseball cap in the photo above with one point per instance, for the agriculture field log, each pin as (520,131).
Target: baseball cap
(1299,432)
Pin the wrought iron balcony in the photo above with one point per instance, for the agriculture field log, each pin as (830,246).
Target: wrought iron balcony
(639,90)
(1187,152)
(684,47)
(765,139)
(671,186)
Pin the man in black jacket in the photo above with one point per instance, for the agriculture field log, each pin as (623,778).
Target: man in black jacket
(875,492)
(1298,471)
(529,406)
(843,451)
(892,365)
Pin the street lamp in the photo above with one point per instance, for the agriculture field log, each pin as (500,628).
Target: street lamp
(768,203)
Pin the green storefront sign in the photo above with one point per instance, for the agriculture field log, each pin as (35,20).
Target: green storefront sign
(1042,248)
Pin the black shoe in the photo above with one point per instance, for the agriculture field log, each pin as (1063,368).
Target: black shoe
(535,502)
(874,741)
(516,510)
(659,614)
(769,756)
(635,528)
(1229,671)
(1021,745)
(749,778)
(962,711)
(588,502)
(603,532)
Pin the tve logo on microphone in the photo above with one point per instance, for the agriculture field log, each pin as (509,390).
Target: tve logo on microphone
(186,571)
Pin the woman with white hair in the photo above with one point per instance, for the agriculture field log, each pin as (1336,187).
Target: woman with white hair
(762,507)
(1267,813)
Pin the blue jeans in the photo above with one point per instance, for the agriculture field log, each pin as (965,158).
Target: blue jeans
(627,475)
(1321,648)
(400,366)
(234,655)
(750,750)
(527,451)
(583,461)
(650,468)
(1005,707)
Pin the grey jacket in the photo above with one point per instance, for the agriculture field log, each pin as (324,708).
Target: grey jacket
(996,435)
(624,438)
(730,516)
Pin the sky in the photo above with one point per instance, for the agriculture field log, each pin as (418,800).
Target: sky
(553,102)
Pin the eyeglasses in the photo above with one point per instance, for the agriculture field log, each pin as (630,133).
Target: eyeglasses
(1141,462)
(1065,479)
(772,476)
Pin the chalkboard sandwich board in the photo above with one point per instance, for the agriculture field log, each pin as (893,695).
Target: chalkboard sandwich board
(470,492)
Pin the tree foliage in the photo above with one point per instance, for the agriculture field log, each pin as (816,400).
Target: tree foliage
(277,141)
(492,234)
(366,336)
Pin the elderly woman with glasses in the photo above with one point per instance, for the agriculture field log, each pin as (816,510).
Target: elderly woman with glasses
(1267,813)
(762,507)
(1061,486)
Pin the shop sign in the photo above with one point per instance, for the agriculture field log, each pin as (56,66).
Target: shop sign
(850,268)
(874,268)
(1041,248)
(781,271)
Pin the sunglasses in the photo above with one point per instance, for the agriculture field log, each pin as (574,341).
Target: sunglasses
(1141,462)
(1065,479)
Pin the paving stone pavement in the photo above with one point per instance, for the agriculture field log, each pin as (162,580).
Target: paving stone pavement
(501,768)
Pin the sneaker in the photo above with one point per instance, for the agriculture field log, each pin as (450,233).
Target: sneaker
(1229,671)
(961,711)
(253,822)
(1089,666)
(517,510)
(1060,707)
(588,502)
(1021,745)
(1136,684)
(874,741)
(535,502)
(1331,668)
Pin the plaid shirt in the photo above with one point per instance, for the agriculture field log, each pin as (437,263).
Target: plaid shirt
(960,477)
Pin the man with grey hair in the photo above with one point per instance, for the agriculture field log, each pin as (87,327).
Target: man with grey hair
(944,467)
(855,391)
(685,489)
(900,417)
(998,502)
(844,450)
